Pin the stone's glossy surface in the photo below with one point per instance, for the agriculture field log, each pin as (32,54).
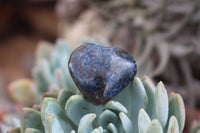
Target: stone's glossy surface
(101,73)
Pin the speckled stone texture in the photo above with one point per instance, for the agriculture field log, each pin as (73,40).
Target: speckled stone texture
(101,73)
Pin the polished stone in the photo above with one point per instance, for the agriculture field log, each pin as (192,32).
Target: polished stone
(101,73)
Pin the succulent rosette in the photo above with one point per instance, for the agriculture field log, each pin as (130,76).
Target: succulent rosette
(141,107)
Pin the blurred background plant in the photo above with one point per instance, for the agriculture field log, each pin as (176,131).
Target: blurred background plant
(163,36)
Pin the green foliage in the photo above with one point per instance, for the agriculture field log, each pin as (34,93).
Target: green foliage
(72,113)
(50,73)
(141,107)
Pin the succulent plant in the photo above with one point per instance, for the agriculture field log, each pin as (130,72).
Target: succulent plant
(50,73)
(139,108)
(51,70)
(8,121)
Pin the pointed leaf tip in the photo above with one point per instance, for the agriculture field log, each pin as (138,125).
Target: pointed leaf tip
(143,121)
(76,108)
(52,124)
(126,123)
(161,104)
(154,127)
(112,128)
(85,124)
(114,105)
(106,117)
(177,108)
(98,130)
(173,125)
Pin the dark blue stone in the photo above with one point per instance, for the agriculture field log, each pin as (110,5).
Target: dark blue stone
(101,73)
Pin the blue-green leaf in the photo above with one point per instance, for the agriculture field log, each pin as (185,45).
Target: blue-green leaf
(177,108)
(52,125)
(75,108)
(143,121)
(63,96)
(114,105)
(161,104)
(31,119)
(150,90)
(107,117)
(154,127)
(112,128)
(97,130)
(139,100)
(85,125)
(42,75)
(173,125)
(126,123)
(49,106)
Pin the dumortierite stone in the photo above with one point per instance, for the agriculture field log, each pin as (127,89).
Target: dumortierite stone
(101,73)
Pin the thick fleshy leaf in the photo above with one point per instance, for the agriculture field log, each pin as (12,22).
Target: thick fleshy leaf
(161,104)
(32,130)
(63,97)
(52,125)
(177,108)
(55,59)
(114,105)
(49,106)
(97,130)
(124,97)
(73,131)
(43,51)
(24,92)
(95,109)
(60,51)
(139,100)
(107,117)
(61,58)
(85,125)
(63,47)
(9,120)
(59,61)
(30,118)
(126,123)
(37,107)
(150,90)
(154,127)
(71,86)
(105,131)
(112,128)
(49,94)
(59,78)
(13,130)
(76,108)
(173,125)
(42,75)
(143,121)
